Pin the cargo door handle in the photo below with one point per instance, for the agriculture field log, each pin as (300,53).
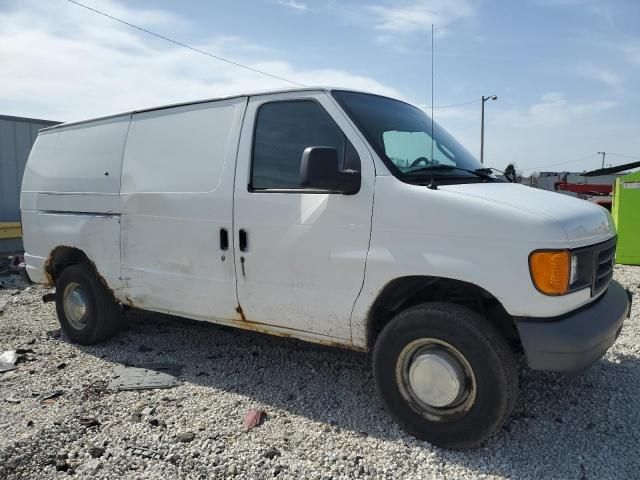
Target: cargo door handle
(224,239)
(242,238)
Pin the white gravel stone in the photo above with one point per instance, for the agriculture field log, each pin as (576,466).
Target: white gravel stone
(323,417)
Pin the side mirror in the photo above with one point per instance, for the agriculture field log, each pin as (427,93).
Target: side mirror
(319,170)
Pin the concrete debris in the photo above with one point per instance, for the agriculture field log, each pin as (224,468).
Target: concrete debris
(8,360)
(147,411)
(144,453)
(145,377)
(185,437)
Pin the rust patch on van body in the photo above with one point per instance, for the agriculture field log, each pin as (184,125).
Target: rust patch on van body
(47,274)
(241,313)
(49,266)
(245,324)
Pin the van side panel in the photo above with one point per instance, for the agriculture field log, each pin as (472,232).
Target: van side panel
(70,195)
(177,195)
(76,168)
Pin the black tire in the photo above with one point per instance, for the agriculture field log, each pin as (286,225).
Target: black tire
(102,316)
(492,385)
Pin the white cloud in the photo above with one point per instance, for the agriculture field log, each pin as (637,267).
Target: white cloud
(61,62)
(632,53)
(553,129)
(552,111)
(599,74)
(64,63)
(418,15)
(598,8)
(299,6)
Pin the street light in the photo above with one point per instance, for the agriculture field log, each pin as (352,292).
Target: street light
(484,99)
(603,155)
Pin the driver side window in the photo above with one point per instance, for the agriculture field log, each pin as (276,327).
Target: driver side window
(283,130)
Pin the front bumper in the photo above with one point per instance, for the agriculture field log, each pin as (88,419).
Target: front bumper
(575,340)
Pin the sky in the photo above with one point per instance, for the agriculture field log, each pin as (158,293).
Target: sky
(566,72)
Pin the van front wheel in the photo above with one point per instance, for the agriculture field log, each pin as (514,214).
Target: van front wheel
(87,312)
(445,374)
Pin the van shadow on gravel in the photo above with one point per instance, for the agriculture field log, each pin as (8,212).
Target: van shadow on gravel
(560,426)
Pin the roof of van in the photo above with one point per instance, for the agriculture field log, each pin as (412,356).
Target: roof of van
(195,102)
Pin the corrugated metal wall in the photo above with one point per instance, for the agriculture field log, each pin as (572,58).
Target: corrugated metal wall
(17,135)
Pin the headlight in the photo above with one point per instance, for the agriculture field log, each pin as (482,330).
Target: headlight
(573,274)
(551,271)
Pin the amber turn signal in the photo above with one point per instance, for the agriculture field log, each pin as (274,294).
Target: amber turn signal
(550,271)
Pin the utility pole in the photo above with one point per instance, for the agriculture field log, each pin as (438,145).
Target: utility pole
(603,155)
(484,99)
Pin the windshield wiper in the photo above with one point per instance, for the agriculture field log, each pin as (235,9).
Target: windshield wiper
(479,172)
(509,178)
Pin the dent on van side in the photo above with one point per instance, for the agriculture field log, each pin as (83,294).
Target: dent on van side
(333,216)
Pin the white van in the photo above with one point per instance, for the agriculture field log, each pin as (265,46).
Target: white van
(334,217)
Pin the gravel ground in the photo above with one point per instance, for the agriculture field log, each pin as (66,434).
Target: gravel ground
(323,418)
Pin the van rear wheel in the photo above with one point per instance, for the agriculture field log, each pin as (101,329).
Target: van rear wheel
(87,312)
(445,374)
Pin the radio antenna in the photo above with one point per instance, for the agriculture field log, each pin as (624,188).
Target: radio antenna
(432,185)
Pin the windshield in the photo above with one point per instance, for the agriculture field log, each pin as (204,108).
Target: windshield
(401,135)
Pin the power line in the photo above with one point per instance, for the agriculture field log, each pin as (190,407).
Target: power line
(622,155)
(222,59)
(577,160)
(217,57)
(560,163)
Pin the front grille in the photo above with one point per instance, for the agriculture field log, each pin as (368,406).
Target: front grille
(603,266)
(595,266)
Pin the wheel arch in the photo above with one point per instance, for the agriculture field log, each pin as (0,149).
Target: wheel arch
(62,257)
(407,291)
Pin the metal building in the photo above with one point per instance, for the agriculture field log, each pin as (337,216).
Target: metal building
(17,135)
(547,180)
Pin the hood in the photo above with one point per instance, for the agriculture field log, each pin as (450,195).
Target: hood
(583,222)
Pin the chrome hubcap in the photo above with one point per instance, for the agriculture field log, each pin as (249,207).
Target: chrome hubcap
(436,379)
(74,300)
